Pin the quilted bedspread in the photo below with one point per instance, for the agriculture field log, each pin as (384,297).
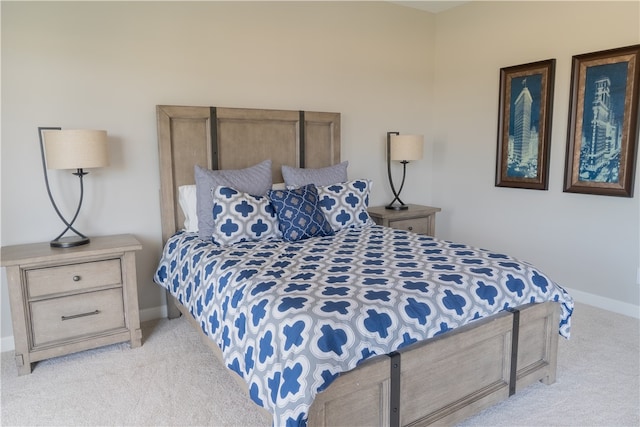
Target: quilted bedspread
(290,317)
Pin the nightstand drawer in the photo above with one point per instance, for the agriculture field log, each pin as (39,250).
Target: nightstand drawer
(73,277)
(415,218)
(60,319)
(415,225)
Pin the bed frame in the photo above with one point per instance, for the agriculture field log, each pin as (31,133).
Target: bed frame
(442,380)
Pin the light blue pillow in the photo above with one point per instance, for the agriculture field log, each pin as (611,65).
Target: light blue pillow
(345,205)
(299,214)
(297,177)
(240,217)
(255,180)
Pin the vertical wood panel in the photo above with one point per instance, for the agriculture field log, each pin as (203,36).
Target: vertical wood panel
(249,136)
(356,398)
(448,379)
(538,346)
(322,139)
(184,140)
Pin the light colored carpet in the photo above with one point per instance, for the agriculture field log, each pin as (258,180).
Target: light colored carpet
(173,380)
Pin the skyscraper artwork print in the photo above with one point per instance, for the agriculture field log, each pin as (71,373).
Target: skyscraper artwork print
(602,136)
(524,125)
(523,129)
(601,125)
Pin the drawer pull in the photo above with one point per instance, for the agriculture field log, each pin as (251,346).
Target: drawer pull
(76,278)
(75,316)
(410,228)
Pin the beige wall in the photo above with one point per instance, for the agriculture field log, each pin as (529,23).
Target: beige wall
(587,243)
(384,67)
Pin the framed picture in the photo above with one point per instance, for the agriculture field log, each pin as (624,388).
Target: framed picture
(524,125)
(603,122)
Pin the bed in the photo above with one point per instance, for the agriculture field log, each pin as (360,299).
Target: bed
(441,357)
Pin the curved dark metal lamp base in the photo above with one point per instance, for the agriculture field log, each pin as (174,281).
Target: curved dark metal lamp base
(397,207)
(392,206)
(69,242)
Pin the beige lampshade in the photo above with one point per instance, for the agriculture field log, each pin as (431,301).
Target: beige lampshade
(76,149)
(406,147)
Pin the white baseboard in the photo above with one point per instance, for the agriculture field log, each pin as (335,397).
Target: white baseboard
(605,303)
(153,313)
(595,300)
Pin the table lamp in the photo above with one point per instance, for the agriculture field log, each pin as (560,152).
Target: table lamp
(402,148)
(71,149)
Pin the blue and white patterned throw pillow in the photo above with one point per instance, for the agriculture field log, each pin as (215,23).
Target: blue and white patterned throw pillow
(299,214)
(345,205)
(240,217)
(254,180)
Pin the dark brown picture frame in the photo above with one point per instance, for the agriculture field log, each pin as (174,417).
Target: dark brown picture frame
(602,135)
(524,125)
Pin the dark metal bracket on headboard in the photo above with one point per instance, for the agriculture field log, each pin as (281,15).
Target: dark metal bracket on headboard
(302,139)
(214,138)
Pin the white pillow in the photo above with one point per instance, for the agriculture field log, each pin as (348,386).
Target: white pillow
(188,204)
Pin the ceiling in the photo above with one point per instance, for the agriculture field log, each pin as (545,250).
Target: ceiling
(431,6)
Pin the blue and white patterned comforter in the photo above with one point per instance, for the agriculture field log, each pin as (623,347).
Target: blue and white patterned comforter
(290,317)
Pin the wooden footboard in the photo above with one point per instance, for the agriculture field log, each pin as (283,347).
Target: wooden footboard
(451,377)
(443,380)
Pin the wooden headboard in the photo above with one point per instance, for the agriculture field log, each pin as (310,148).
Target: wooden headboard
(236,138)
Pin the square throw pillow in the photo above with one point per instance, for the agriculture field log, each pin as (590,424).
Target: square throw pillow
(240,217)
(254,180)
(299,214)
(345,205)
(297,177)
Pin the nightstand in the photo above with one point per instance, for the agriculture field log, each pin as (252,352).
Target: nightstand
(418,219)
(68,300)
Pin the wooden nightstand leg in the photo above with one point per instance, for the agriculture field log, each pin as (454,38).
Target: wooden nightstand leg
(132,310)
(24,367)
(136,338)
(23,362)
